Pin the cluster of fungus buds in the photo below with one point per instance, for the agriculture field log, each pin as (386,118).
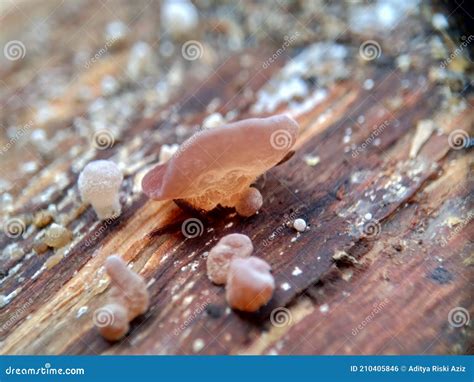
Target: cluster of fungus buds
(248,279)
(217,166)
(129,298)
(99,184)
(220,256)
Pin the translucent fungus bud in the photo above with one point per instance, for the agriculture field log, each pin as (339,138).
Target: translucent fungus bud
(250,284)
(250,202)
(99,184)
(57,236)
(129,298)
(220,256)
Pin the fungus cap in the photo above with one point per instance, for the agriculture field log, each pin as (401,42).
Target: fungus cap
(216,165)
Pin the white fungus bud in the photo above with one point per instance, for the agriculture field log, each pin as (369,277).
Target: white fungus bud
(99,184)
(299,225)
(179,17)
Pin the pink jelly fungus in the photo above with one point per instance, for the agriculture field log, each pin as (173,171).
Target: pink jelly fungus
(128,294)
(249,203)
(216,166)
(250,284)
(220,256)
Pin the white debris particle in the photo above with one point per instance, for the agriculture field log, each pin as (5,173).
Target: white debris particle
(324,308)
(187,300)
(311,160)
(285,286)
(297,271)
(116,31)
(194,265)
(299,225)
(228,225)
(368,216)
(424,130)
(403,62)
(179,18)
(368,84)
(109,85)
(213,120)
(439,21)
(198,345)
(29,167)
(81,311)
(140,61)
(167,151)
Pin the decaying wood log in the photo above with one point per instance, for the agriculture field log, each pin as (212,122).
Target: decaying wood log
(386,265)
